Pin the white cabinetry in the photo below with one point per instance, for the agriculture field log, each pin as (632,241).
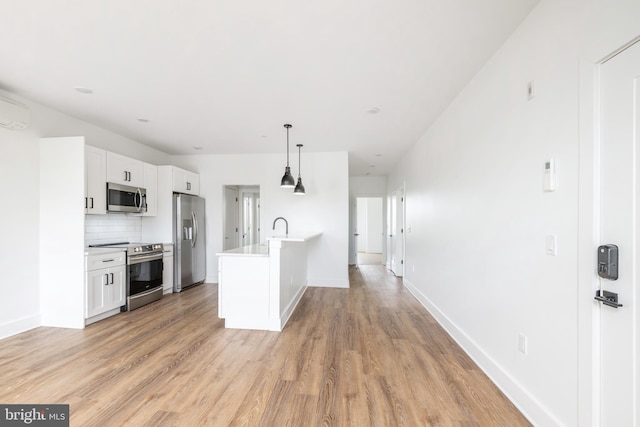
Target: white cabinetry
(124,170)
(170,180)
(95,177)
(105,285)
(185,181)
(167,272)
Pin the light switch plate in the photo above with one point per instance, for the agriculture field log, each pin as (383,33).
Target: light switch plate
(550,175)
(551,245)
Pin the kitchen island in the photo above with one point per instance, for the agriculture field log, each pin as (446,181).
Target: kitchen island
(259,286)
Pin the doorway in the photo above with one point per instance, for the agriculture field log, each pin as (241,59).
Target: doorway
(241,216)
(617,326)
(369,230)
(396,232)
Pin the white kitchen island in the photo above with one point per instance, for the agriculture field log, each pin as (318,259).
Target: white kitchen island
(259,286)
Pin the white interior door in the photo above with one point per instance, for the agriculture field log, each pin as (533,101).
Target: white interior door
(393,213)
(619,225)
(396,234)
(230,218)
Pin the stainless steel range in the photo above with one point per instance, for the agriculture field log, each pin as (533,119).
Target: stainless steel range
(144,272)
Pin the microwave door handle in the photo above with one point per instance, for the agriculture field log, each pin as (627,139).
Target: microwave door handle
(138,197)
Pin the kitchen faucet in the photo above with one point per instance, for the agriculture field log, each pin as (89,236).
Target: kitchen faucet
(285,223)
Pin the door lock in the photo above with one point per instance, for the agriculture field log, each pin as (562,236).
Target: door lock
(608,262)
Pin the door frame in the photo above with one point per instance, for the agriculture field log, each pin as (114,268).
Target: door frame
(589,386)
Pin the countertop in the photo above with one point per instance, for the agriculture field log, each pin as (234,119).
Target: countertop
(98,251)
(260,249)
(299,237)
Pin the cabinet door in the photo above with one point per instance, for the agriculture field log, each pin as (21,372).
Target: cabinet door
(116,295)
(96,282)
(124,170)
(194,183)
(95,178)
(167,274)
(186,182)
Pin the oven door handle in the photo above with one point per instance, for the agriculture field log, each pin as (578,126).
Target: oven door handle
(143,258)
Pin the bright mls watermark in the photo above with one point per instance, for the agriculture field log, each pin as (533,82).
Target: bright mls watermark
(34,415)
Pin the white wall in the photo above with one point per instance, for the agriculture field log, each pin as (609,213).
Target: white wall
(324,208)
(477,209)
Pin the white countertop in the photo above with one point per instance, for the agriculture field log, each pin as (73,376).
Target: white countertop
(298,237)
(97,251)
(251,250)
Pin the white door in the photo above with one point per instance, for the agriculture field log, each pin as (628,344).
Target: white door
(230,218)
(396,234)
(620,221)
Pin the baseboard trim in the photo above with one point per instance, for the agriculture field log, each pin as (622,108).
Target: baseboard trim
(286,314)
(328,283)
(21,325)
(530,407)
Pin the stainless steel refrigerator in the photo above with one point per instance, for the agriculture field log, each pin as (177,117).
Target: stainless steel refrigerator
(189,258)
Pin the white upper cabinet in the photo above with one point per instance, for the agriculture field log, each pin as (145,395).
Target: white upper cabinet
(185,181)
(95,193)
(125,170)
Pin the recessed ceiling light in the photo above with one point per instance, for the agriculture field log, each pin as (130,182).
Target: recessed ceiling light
(372,166)
(141,120)
(378,155)
(373,110)
(84,90)
(197,147)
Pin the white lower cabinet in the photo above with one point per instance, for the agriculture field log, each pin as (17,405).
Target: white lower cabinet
(105,282)
(167,269)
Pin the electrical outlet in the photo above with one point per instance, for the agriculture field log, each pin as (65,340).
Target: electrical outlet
(522,343)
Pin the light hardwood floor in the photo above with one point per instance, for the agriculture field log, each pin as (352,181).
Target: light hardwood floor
(366,356)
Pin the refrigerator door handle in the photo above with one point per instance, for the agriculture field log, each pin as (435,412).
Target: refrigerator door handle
(195,229)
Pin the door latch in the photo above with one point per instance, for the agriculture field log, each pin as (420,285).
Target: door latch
(608,298)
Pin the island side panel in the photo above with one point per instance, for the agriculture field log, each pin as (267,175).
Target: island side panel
(244,292)
(288,269)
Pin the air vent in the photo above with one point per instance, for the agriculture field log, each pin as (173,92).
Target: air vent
(13,115)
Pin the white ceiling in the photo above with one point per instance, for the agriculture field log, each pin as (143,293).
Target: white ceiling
(225,75)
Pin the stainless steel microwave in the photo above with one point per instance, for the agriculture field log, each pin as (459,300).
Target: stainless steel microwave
(124,198)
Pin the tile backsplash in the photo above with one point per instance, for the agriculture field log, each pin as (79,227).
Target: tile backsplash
(112,228)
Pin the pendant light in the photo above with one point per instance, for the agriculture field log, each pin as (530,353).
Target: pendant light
(287,180)
(299,191)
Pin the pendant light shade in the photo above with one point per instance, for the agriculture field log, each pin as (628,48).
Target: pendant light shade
(299,191)
(287,180)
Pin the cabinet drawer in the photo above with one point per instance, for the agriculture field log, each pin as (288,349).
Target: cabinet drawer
(168,250)
(105,260)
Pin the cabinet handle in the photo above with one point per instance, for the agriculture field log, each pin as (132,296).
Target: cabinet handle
(85,203)
(125,175)
(129,173)
(107,276)
(111,278)
(108,260)
(91,202)
(188,186)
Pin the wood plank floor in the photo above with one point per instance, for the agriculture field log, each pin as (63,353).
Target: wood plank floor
(366,356)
